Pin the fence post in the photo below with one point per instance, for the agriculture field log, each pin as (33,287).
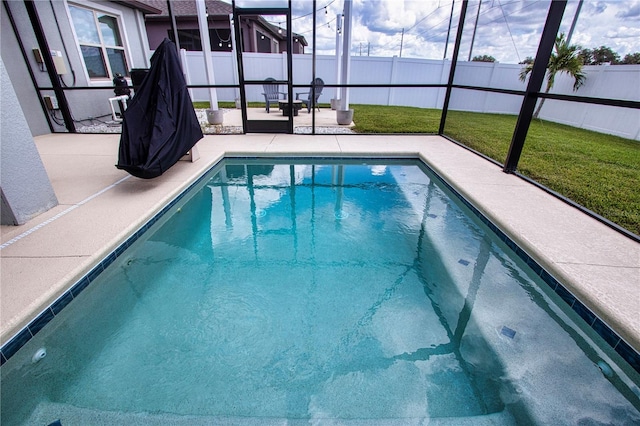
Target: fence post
(487,95)
(392,80)
(285,67)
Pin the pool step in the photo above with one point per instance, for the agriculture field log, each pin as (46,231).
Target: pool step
(48,412)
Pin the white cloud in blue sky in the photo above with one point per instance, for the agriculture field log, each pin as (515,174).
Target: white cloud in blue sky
(508,30)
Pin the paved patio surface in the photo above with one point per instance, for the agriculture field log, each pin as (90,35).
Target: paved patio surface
(101,205)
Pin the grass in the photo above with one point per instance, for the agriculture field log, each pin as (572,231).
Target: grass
(205,105)
(395,119)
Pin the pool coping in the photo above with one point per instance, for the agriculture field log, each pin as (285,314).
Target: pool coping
(90,269)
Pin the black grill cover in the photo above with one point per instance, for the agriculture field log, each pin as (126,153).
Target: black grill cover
(160,124)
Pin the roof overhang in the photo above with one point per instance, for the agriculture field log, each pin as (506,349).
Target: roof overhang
(134,4)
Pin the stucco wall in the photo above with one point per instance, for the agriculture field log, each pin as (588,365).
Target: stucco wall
(17,69)
(25,185)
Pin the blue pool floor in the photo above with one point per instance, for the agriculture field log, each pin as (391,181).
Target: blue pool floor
(398,355)
(599,265)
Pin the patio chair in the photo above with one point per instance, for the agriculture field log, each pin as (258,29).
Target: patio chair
(271,92)
(312,101)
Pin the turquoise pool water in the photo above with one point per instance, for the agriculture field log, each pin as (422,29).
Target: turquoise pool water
(318,293)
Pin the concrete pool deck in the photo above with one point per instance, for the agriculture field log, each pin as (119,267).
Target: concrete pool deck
(100,206)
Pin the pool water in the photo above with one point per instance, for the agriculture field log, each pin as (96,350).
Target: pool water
(324,293)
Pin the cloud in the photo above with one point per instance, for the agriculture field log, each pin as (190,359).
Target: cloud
(509,30)
(632,13)
(595,7)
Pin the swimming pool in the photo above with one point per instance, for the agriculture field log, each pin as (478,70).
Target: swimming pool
(318,292)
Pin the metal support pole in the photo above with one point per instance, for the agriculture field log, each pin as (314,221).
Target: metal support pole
(174,25)
(313,72)
(548,39)
(475,28)
(573,24)
(454,61)
(239,44)
(51,68)
(290,64)
(446,43)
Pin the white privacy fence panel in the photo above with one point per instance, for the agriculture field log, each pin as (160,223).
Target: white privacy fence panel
(615,82)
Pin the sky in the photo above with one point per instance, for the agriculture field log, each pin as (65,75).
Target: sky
(508,30)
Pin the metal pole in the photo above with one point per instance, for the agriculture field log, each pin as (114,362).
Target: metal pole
(313,73)
(475,27)
(401,42)
(573,24)
(174,25)
(243,94)
(290,65)
(454,61)
(51,68)
(549,33)
(446,43)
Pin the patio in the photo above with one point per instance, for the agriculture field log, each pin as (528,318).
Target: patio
(325,121)
(100,206)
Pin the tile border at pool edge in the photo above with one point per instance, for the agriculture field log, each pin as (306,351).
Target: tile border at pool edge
(617,343)
(626,351)
(25,334)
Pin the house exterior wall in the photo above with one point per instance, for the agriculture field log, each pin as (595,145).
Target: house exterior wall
(24,184)
(156,32)
(158,29)
(55,21)
(17,68)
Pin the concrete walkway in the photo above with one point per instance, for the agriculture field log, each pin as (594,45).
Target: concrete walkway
(101,205)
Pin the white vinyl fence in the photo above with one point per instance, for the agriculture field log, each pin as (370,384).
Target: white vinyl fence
(615,82)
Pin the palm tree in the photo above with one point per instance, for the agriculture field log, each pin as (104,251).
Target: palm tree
(565,59)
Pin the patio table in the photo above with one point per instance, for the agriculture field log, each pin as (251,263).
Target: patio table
(284,104)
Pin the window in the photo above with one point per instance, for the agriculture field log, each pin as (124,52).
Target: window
(100,43)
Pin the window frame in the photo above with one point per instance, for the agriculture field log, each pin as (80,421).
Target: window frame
(96,10)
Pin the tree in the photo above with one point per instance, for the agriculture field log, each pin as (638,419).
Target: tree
(631,58)
(604,54)
(528,60)
(564,59)
(484,58)
(586,55)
